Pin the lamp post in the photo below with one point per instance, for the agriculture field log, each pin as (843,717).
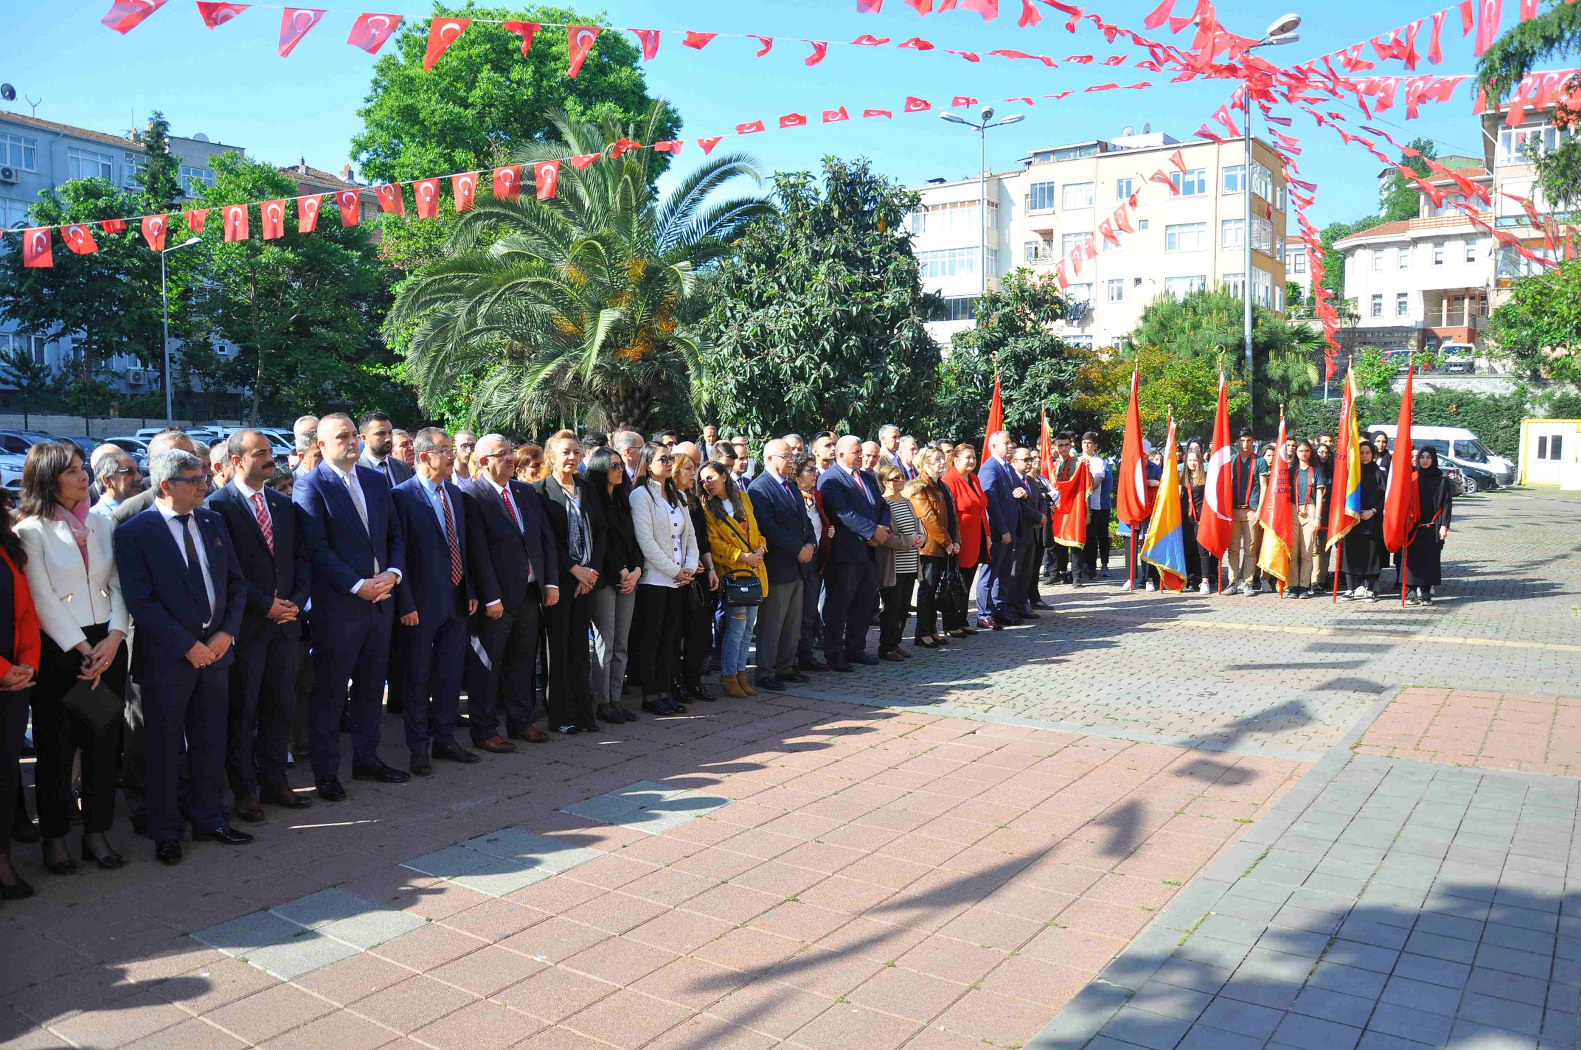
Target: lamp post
(982,179)
(1282,31)
(164,297)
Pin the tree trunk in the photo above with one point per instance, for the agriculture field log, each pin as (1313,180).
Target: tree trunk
(252,418)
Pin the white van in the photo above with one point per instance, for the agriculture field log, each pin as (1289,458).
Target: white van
(1458,446)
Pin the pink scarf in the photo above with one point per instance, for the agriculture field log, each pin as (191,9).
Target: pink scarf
(77,520)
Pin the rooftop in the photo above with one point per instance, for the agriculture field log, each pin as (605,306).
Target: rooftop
(124,141)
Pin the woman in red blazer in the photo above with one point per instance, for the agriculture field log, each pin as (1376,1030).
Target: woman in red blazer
(971,510)
(20,652)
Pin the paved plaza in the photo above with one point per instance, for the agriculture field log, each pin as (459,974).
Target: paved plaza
(1144,821)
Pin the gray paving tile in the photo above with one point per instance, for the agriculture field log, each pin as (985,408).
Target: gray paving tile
(249,933)
(309,951)
(1419,995)
(1248,1019)
(1168,1000)
(1200,1038)
(1436,947)
(448,863)
(1371,1040)
(1528,964)
(1501,1013)
(372,928)
(1312,1033)
(498,877)
(1352,980)
(322,908)
(1530,990)
(1450,926)
(1503,935)
(1409,1023)
(1145,1029)
(1432,971)
(1350,1010)
(1473,1036)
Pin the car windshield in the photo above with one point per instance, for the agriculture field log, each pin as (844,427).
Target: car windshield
(1471,451)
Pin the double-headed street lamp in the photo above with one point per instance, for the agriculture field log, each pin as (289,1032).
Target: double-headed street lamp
(982,177)
(164,297)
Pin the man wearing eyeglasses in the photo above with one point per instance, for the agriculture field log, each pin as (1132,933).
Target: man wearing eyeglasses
(119,480)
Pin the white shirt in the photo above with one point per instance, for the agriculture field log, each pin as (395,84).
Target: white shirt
(169,515)
(1099,470)
(349,477)
(105,506)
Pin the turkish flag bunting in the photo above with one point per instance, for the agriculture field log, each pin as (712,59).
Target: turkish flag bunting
(1467,16)
(350,204)
(749,128)
(1529,9)
(622,147)
(1178,159)
(1489,14)
(1122,218)
(698,40)
(708,144)
(969,56)
(426,193)
(235,216)
(113,225)
(924,7)
(989,9)
(79,239)
(464,188)
(1060,276)
(1004,53)
(442,32)
(881,112)
(869,7)
(1106,227)
(196,217)
(1030,16)
(525,30)
(295,23)
(273,213)
(670,146)
(793,120)
(869,40)
(371,31)
(820,50)
(218,14)
(124,16)
(392,201)
(1162,176)
(963,100)
(508,182)
(649,39)
(1160,14)
(307,209)
(579,43)
(917,105)
(546,174)
(584,160)
(37,249)
(916,43)
(154,229)
(831,116)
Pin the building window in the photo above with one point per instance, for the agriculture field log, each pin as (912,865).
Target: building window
(948,262)
(1263,183)
(1263,237)
(1550,447)
(1377,306)
(1402,305)
(1298,263)
(13,213)
(1193,183)
(194,179)
(1405,258)
(1235,178)
(1040,196)
(1438,254)
(86,164)
(1186,237)
(11,341)
(1070,241)
(956,308)
(1076,195)
(1079,293)
(1516,144)
(18,152)
(1115,291)
(1180,287)
(1232,233)
(1471,251)
(1377,260)
(1235,283)
(1123,188)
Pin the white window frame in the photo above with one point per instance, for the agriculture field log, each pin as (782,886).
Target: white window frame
(1177,234)
(1114,290)
(79,159)
(1402,304)
(1074,196)
(18,151)
(1191,183)
(1180,287)
(1438,253)
(1232,234)
(1234,180)
(1377,305)
(1044,190)
(1123,188)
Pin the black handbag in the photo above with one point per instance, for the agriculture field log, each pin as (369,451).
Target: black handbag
(740,587)
(96,705)
(949,594)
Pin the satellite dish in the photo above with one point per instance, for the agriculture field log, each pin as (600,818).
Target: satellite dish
(8,92)
(1147,129)
(1127,131)
(200,137)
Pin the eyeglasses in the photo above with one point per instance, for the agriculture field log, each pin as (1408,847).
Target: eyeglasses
(441,452)
(196,479)
(124,470)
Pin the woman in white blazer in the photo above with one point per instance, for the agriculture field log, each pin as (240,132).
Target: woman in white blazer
(71,570)
(663,524)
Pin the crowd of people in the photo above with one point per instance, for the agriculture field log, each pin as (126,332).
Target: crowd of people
(199,636)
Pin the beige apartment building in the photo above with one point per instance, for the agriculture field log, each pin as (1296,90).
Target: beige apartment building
(1057,197)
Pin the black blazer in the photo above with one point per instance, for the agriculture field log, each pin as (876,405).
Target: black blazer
(507,551)
(398,472)
(620,537)
(285,573)
(554,504)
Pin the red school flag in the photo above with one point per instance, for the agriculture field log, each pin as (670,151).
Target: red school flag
(307,209)
(1218,497)
(350,204)
(1402,504)
(37,248)
(426,193)
(508,182)
(996,417)
(1130,494)
(273,214)
(155,227)
(1278,514)
(371,31)
(235,218)
(442,32)
(464,188)
(1072,498)
(79,239)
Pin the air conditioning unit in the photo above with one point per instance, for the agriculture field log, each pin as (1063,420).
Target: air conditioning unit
(8,174)
(136,376)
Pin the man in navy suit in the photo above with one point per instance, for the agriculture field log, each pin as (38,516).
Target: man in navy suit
(185,591)
(788,536)
(354,542)
(854,503)
(521,567)
(1003,489)
(267,546)
(433,601)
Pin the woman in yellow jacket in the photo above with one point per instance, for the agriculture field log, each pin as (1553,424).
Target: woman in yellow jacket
(737,547)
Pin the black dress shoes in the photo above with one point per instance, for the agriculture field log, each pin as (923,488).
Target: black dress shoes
(773,685)
(248,809)
(864,658)
(1028,614)
(421,766)
(794,676)
(20,890)
(109,860)
(168,853)
(841,668)
(811,665)
(456,753)
(384,773)
(25,831)
(984,623)
(282,796)
(331,791)
(225,835)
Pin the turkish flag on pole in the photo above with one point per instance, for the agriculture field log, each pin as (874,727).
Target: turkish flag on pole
(1401,501)
(426,193)
(392,200)
(123,17)
(217,14)
(155,227)
(371,31)
(235,216)
(79,239)
(508,182)
(307,209)
(1074,495)
(1130,493)
(273,214)
(295,24)
(579,43)
(996,417)
(442,32)
(464,188)
(547,175)
(350,204)
(196,217)
(37,249)
(1218,497)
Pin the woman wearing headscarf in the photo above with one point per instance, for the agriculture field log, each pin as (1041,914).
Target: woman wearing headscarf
(1361,551)
(1436,500)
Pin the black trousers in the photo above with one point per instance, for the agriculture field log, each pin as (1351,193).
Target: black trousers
(1063,558)
(510,645)
(929,569)
(432,658)
(657,621)
(185,709)
(263,696)
(851,594)
(897,606)
(1096,550)
(57,734)
(811,615)
(569,696)
(13,724)
(695,635)
(1031,556)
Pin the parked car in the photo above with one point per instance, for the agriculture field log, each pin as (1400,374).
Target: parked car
(82,441)
(136,446)
(17,442)
(1458,446)
(1459,358)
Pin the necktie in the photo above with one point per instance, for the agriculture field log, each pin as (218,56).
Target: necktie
(450,536)
(194,564)
(510,508)
(264,521)
(356,498)
(389,474)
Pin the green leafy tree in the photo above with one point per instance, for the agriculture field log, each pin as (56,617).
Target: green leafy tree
(538,311)
(1186,384)
(26,374)
(1539,328)
(1533,44)
(161,177)
(818,320)
(1398,198)
(485,101)
(1374,372)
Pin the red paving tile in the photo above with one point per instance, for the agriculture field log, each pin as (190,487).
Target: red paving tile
(1530,734)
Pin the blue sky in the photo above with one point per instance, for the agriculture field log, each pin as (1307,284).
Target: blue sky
(229,84)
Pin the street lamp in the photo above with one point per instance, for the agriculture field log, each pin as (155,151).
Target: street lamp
(164,297)
(982,177)
(1280,31)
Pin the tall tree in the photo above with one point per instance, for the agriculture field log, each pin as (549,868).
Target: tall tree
(1399,199)
(1539,328)
(819,318)
(161,176)
(1553,34)
(25,373)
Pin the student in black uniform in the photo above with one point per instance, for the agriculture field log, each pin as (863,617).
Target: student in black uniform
(1362,550)
(1423,570)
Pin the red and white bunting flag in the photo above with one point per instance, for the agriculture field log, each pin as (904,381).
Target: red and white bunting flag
(622,147)
(649,39)
(508,182)
(879,112)
(525,30)
(766,41)
(1178,159)
(917,105)
(295,23)
(426,193)
(79,239)
(1030,16)
(217,14)
(307,209)
(371,31)
(583,161)
(196,217)
(923,6)
(579,44)
(963,100)
(113,225)
(123,17)
(392,200)
(273,215)
(793,120)
(749,128)
(708,144)
(820,51)
(869,7)
(464,188)
(235,218)
(155,227)
(547,175)
(989,9)
(442,32)
(831,116)
(37,247)
(698,40)
(350,204)
(671,146)
(869,40)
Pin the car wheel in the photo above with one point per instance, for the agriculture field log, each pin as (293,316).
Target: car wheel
(1470,484)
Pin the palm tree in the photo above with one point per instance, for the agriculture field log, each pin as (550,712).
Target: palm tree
(572,308)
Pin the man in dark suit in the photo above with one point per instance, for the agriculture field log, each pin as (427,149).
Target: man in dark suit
(432,602)
(1032,515)
(1004,490)
(378,453)
(354,542)
(185,591)
(790,542)
(522,568)
(579,546)
(854,504)
(268,548)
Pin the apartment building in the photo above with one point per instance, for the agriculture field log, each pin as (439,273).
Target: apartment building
(1058,195)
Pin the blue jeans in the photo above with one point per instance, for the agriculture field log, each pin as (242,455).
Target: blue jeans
(739,621)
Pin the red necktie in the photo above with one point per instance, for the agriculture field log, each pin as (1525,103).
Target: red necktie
(264,521)
(510,508)
(450,535)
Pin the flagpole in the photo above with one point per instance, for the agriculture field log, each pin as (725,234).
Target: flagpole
(1337,573)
